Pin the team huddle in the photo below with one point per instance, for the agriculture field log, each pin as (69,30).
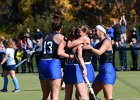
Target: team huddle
(76,52)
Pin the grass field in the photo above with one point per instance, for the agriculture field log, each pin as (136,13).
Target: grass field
(127,87)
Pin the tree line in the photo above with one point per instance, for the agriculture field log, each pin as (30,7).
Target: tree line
(15,15)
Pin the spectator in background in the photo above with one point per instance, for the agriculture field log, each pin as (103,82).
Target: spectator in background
(38,40)
(27,40)
(93,44)
(138,35)
(123,24)
(18,57)
(27,34)
(4,40)
(117,32)
(122,53)
(134,34)
(29,48)
(2,53)
(134,53)
(20,49)
(20,54)
(38,36)
(110,32)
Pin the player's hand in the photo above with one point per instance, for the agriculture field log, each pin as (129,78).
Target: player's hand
(84,72)
(87,47)
(71,56)
(123,16)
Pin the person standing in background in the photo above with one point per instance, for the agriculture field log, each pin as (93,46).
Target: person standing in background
(27,34)
(122,53)
(110,32)
(2,53)
(20,45)
(123,24)
(29,47)
(38,40)
(117,32)
(94,41)
(134,34)
(134,53)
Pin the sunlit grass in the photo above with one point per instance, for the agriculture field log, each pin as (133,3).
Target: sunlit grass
(126,87)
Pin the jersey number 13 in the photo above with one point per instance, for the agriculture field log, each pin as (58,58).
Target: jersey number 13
(49,45)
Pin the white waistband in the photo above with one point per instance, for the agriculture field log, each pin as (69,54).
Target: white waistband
(77,64)
(87,62)
(47,59)
(71,64)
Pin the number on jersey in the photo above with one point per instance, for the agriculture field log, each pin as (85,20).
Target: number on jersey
(49,44)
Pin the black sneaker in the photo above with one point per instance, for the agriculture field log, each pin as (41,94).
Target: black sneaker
(3,90)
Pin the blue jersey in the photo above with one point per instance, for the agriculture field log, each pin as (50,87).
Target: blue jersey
(110,31)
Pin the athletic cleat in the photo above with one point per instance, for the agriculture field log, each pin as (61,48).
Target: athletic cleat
(3,90)
(16,90)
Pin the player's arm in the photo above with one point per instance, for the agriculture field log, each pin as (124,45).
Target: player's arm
(75,43)
(81,60)
(123,17)
(4,59)
(102,49)
(61,51)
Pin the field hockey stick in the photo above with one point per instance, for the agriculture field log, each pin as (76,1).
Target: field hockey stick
(86,79)
(30,54)
(90,88)
(20,63)
(28,58)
